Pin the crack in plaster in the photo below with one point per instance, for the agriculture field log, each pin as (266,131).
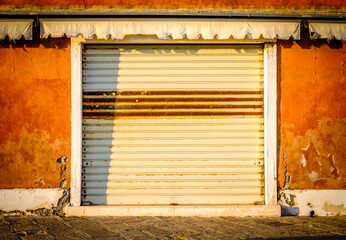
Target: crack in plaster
(287,177)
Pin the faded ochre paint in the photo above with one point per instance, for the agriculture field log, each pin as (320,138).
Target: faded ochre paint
(311,85)
(35,125)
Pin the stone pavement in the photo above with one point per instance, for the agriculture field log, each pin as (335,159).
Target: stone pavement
(53,227)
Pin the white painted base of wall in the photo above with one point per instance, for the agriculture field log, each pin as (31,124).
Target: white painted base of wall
(183,210)
(322,202)
(23,199)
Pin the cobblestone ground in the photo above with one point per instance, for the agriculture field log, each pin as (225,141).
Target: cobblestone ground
(52,227)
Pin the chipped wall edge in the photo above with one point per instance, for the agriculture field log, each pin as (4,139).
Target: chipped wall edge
(34,201)
(312,202)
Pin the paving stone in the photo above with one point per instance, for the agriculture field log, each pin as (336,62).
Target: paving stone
(201,225)
(58,229)
(230,230)
(120,226)
(149,227)
(23,224)
(94,230)
(173,225)
(5,231)
(103,228)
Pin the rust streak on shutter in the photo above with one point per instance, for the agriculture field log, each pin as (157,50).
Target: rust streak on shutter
(173,124)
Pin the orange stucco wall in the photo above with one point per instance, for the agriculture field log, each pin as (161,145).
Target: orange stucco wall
(35,114)
(311,80)
(140,4)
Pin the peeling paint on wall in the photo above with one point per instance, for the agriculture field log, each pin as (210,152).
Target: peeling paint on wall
(324,166)
(35,125)
(30,161)
(313,117)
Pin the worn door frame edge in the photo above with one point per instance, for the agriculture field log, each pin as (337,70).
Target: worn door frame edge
(270,123)
(270,112)
(76,121)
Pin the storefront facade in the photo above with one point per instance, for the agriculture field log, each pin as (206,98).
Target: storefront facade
(173,115)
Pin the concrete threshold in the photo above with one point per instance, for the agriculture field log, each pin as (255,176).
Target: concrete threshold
(177,210)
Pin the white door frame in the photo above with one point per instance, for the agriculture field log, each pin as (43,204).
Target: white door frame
(270,108)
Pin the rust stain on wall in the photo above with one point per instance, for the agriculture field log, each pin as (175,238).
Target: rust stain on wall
(35,103)
(313,117)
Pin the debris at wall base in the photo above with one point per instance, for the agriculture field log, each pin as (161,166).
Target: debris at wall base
(59,210)
(42,202)
(40,211)
(11,213)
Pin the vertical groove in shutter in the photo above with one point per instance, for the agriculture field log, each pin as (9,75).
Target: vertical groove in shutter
(173,124)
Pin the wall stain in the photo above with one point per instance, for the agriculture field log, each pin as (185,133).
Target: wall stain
(311,82)
(40,180)
(35,102)
(312,128)
(324,166)
(30,162)
(334,209)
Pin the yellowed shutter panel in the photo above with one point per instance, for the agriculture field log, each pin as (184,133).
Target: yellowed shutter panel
(173,124)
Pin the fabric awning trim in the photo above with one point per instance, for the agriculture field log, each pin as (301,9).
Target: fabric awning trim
(16,28)
(328,30)
(168,28)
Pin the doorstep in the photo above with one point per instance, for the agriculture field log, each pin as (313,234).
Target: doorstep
(177,210)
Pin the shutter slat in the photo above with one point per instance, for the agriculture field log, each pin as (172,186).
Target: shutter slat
(173,124)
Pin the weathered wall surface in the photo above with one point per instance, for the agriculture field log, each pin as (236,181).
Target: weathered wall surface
(311,80)
(35,103)
(178,3)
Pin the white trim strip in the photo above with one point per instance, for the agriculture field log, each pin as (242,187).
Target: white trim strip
(171,29)
(186,210)
(76,121)
(270,66)
(23,199)
(270,122)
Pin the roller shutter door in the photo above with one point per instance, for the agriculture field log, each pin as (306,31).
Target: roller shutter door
(173,124)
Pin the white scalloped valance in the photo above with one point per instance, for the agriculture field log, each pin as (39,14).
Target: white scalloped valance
(329,30)
(16,28)
(171,28)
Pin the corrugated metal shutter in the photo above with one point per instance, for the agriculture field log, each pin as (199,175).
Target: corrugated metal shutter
(173,124)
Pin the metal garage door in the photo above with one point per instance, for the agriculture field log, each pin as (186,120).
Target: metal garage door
(173,124)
